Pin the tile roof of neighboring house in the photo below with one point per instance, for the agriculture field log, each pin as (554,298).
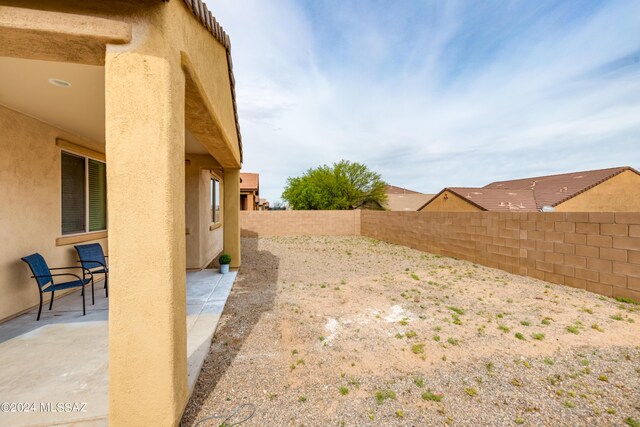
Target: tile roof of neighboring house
(209,21)
(551,190)
(406,202)
(497,199)
(392,189)
(532,194)
(249,181)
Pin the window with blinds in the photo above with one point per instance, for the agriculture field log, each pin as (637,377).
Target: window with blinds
(97,196)
(73,194)
(84,194)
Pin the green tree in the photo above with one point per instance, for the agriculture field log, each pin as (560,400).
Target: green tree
(345,185)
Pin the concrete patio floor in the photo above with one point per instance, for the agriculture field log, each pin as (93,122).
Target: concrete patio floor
(64,357)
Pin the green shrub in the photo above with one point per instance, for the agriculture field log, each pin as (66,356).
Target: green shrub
(224,259)
(627,300)
(382,395)
(418,348)
(428,395)
(632,422)
(573,329)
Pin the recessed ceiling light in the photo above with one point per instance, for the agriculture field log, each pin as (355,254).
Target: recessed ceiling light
(59,82)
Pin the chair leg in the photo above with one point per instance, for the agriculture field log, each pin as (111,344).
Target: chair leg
(40,307)
(51,303)
(84,311)
(106,284)
(93,297)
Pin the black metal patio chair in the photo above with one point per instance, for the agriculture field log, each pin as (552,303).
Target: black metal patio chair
(44,279)
(94,261)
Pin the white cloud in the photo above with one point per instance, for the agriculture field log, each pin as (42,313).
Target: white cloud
(418,100)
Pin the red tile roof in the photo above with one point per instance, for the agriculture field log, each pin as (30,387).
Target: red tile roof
(392,189)
(532,194)
(490,199)
(249,181)
(551,190)
(406,201)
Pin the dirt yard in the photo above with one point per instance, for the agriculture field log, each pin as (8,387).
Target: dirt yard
(356,332)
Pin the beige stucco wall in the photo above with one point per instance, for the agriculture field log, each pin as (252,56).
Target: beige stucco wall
(203,238)
(454,203)
(618,194)
(146,174)
(30,205)
(231,216)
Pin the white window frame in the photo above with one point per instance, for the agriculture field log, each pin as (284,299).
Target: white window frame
(213,179)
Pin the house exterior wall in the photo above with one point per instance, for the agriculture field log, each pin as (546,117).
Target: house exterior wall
(203,237)
(453,203)
(171,74)
(618,194)
(249,200)
(30,206)
(30,183)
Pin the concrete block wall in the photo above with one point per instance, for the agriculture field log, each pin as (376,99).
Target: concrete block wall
(599,252)
(300,223)
(487,238)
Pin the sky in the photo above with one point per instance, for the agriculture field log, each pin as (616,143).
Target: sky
(433,94)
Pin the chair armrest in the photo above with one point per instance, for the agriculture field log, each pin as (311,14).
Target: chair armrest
(61,274)
(68,274)
(90,260)
(85,270)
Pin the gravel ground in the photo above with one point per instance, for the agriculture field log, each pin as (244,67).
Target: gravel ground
(341,331)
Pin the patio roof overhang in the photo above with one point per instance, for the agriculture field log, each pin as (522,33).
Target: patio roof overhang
(76,38)
(56,36)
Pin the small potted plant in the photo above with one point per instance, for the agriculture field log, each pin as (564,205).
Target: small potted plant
(224,260)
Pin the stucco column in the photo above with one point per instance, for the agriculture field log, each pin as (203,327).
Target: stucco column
(145,110)
(231,216)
